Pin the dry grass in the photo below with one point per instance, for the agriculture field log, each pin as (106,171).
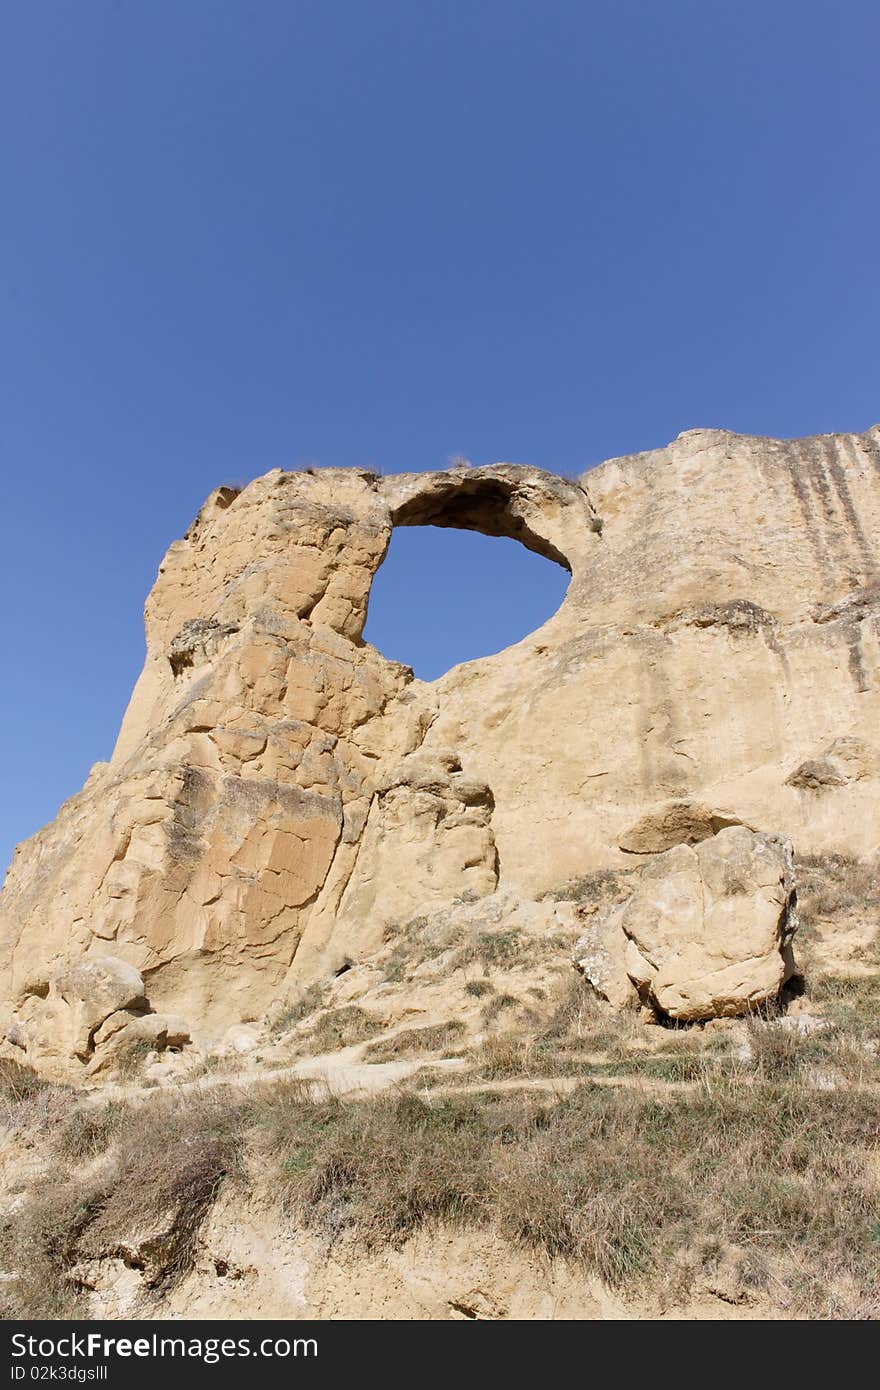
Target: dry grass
(562,1034)
(478,989)
(163,1180)
(29,1104)
(852,1002)
(412,943)
(499,949)
(308,1002)
(342,1027)
(602,888)
(503,1056)
(626,1184)
(129,1060)
(831,884)
(413,1042)
(508,1056)
(379,1170)
(500,1004)
(88,1130)
(636,1187)
(19,1083)
(145,1202)
(577,1015)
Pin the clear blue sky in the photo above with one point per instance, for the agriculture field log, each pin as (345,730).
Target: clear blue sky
(242,235)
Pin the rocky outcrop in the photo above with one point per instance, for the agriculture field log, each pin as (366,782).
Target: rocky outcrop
(706,932)
(844,760)
(280,793)
(434,823)
(674,823)
(94,1011)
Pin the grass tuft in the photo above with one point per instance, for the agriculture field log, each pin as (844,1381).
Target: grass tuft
(412,1042)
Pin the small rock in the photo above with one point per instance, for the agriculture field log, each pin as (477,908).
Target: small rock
(239,1038)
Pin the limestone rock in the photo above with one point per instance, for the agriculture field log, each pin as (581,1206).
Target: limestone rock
(94,988)
(16,1035)
(434,824)
(280,793)
(93,1012)
(238,1039)
(814,774)
(843,760)
(158,1030)
(601,957)
(709,927)
(674,823)
(122,1034)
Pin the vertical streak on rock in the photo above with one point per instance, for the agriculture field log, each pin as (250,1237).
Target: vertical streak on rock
(856,661)
(836,533)
(660,727)
(841,486)
(868,446)
(814,459)
(849,445)
(792,459)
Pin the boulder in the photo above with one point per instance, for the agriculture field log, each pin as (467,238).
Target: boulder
(674,823)
(600,956)
(94,988)
(123,1033)
(706,932)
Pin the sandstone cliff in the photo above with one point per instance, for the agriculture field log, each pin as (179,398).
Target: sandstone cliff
(281,795)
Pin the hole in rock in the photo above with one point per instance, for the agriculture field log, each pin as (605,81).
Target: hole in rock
(443,596)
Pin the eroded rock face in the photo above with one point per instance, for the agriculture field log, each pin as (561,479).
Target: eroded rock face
(281,794)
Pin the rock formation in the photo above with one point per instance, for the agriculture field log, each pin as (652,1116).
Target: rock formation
(281,794)
(706,932)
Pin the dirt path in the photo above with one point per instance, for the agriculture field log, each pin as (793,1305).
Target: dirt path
(333,1073)
(561,1085)
(343,1074)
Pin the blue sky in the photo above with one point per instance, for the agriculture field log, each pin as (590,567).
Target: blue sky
(382,232)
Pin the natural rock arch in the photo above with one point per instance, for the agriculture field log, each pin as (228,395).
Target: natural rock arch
(544,513)
(277,781)
(448,595)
